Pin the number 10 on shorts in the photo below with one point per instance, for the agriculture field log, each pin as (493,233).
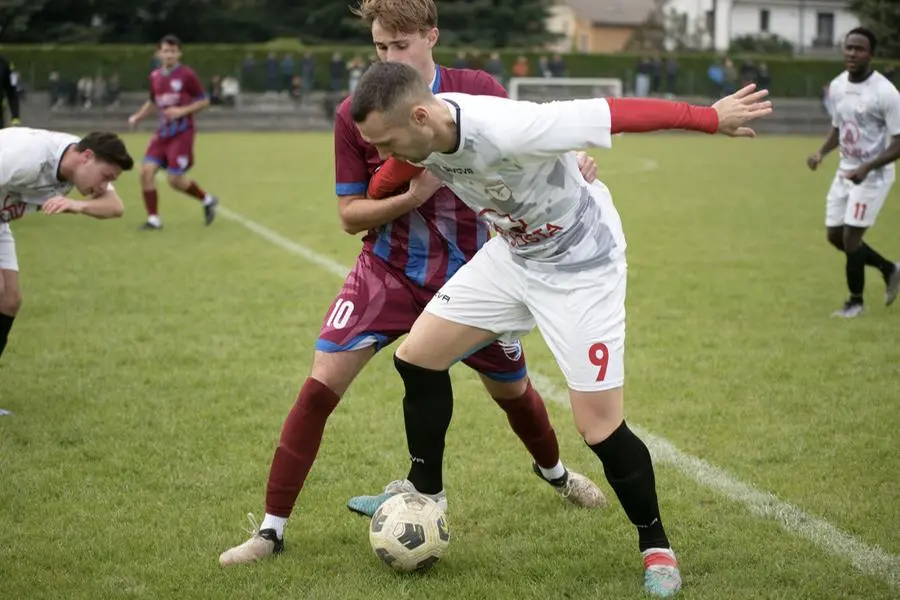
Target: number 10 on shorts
(340,314)
(598,354)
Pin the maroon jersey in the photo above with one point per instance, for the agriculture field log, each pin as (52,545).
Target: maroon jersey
(432,242)
(178,87)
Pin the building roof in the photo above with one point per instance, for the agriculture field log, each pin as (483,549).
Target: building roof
(613,12)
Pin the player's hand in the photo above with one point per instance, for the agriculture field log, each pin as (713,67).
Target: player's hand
(174,112)
(60,204)
(423,186)
(741,107)
(587,166)
(813,161)
(133,120)
(857,175)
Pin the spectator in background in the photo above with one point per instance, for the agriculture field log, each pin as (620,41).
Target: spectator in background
(231,91)
(85,88)
(558,66)
(544,67)
(287,72)
(298,87)
(55,90)
(271,73)
(671,75)
(494,67)
(98,91)
(248,70)
(521,68)
(338,72)
(656,69)
(9,91)
(642,77)
(113,91)
(155,61)
(307,72)
(461,61)
(729,77)
(748,72)
(355,70)
(763,78)
(215,91)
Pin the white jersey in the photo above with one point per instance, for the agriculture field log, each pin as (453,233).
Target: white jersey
(29,169)
(514,167)
(867,115)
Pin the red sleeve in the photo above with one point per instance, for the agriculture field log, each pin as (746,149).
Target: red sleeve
(392,175)
(488,85)
(637,115)
(193,86)
(351,171)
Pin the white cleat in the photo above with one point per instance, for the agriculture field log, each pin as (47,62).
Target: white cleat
(850,310)
(261,544)
(576,488)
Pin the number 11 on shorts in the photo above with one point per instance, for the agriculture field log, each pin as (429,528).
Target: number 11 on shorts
(859,211)
(598,354)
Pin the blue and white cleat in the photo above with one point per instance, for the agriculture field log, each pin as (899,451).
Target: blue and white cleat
(367,505)
(662,578)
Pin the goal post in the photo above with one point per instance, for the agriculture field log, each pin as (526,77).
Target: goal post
(547,89)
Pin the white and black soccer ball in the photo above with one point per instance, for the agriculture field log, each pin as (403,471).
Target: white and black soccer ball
(409,532)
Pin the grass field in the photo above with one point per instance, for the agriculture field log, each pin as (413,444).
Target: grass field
(149,375)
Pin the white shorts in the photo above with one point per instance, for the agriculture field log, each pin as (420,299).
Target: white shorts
(581,314)
(856,205)
(8,260)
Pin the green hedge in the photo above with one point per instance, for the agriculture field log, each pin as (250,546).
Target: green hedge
(789,77)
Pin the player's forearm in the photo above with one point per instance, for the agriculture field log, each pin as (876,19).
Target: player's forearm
(889,155)
(144,110)
(196,106)
(362,214)
(392,175)
(107,206)
(639,115)
(831,142)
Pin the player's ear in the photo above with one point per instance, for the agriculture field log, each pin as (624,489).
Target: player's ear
(419,116)
(87,155)
(432,36)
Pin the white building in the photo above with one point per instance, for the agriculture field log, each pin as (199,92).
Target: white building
(807,24)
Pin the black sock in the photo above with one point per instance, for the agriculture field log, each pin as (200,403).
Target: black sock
(873,259)
(629,470)
(427,410)
(856,274)
(6,323)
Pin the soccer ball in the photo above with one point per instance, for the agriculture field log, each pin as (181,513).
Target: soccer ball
(409,532)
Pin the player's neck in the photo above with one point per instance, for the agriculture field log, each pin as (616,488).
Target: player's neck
(66,168)
(429,72)
(446,136)
(860,77)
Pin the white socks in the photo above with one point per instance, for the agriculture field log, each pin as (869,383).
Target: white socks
(154,220)
(276,523)
(555,473)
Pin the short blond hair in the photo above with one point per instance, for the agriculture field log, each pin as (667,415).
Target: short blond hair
(401,16)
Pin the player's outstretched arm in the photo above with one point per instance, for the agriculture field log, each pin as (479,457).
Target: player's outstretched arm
(142,112)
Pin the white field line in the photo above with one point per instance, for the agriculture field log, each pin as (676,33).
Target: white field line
(870,560)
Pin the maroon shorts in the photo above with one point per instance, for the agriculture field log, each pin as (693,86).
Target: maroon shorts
(175,154)
(378,305)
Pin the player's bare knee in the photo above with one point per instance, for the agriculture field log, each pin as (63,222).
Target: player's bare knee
(10,302)
(337,370)
(177,181)
(597,430)
(148,175)
(505,390)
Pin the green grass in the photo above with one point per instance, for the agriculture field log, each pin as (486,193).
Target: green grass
(150,374)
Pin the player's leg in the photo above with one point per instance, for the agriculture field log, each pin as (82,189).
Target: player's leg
(501,367)
(10,296)
(180,155)
(584,326)
(479,301)
(154,159)
(864,202)
(372,309)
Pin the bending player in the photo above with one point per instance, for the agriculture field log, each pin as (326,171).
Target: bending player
(177,94)
(37,169)
(415,241)
(558,262)
(866,127)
